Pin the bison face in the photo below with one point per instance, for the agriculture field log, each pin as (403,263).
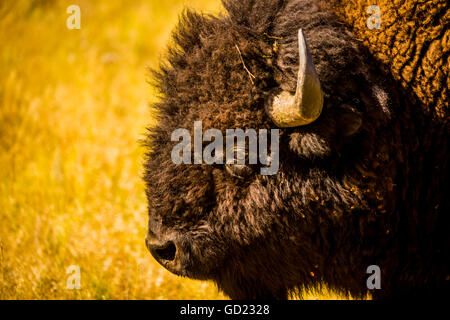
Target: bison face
(230,223)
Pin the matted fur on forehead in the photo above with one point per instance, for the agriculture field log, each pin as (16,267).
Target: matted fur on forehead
(200,48)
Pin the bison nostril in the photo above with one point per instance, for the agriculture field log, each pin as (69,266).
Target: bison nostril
(165,252)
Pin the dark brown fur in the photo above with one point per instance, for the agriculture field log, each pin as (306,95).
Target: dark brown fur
(338,204)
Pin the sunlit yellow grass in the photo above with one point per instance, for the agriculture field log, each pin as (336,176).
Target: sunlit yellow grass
(73,105)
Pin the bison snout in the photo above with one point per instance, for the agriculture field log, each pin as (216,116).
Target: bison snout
(164,251)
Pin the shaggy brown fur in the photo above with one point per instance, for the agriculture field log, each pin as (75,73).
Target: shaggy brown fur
(413,42)
(339,203)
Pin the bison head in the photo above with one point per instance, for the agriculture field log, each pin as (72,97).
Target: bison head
(258,236)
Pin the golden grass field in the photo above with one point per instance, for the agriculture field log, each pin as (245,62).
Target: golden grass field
(73,107)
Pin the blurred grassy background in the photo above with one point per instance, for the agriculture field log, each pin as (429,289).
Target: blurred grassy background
(73,105)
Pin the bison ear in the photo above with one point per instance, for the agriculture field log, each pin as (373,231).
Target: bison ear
(255,14)
(349,121)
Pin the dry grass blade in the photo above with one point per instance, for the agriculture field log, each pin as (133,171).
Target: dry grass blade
(251,76)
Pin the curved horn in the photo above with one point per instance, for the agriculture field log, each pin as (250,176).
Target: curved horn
(306,105)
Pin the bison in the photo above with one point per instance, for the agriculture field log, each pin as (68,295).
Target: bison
(363,169)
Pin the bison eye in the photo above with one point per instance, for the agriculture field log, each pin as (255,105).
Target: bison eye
(239,171)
